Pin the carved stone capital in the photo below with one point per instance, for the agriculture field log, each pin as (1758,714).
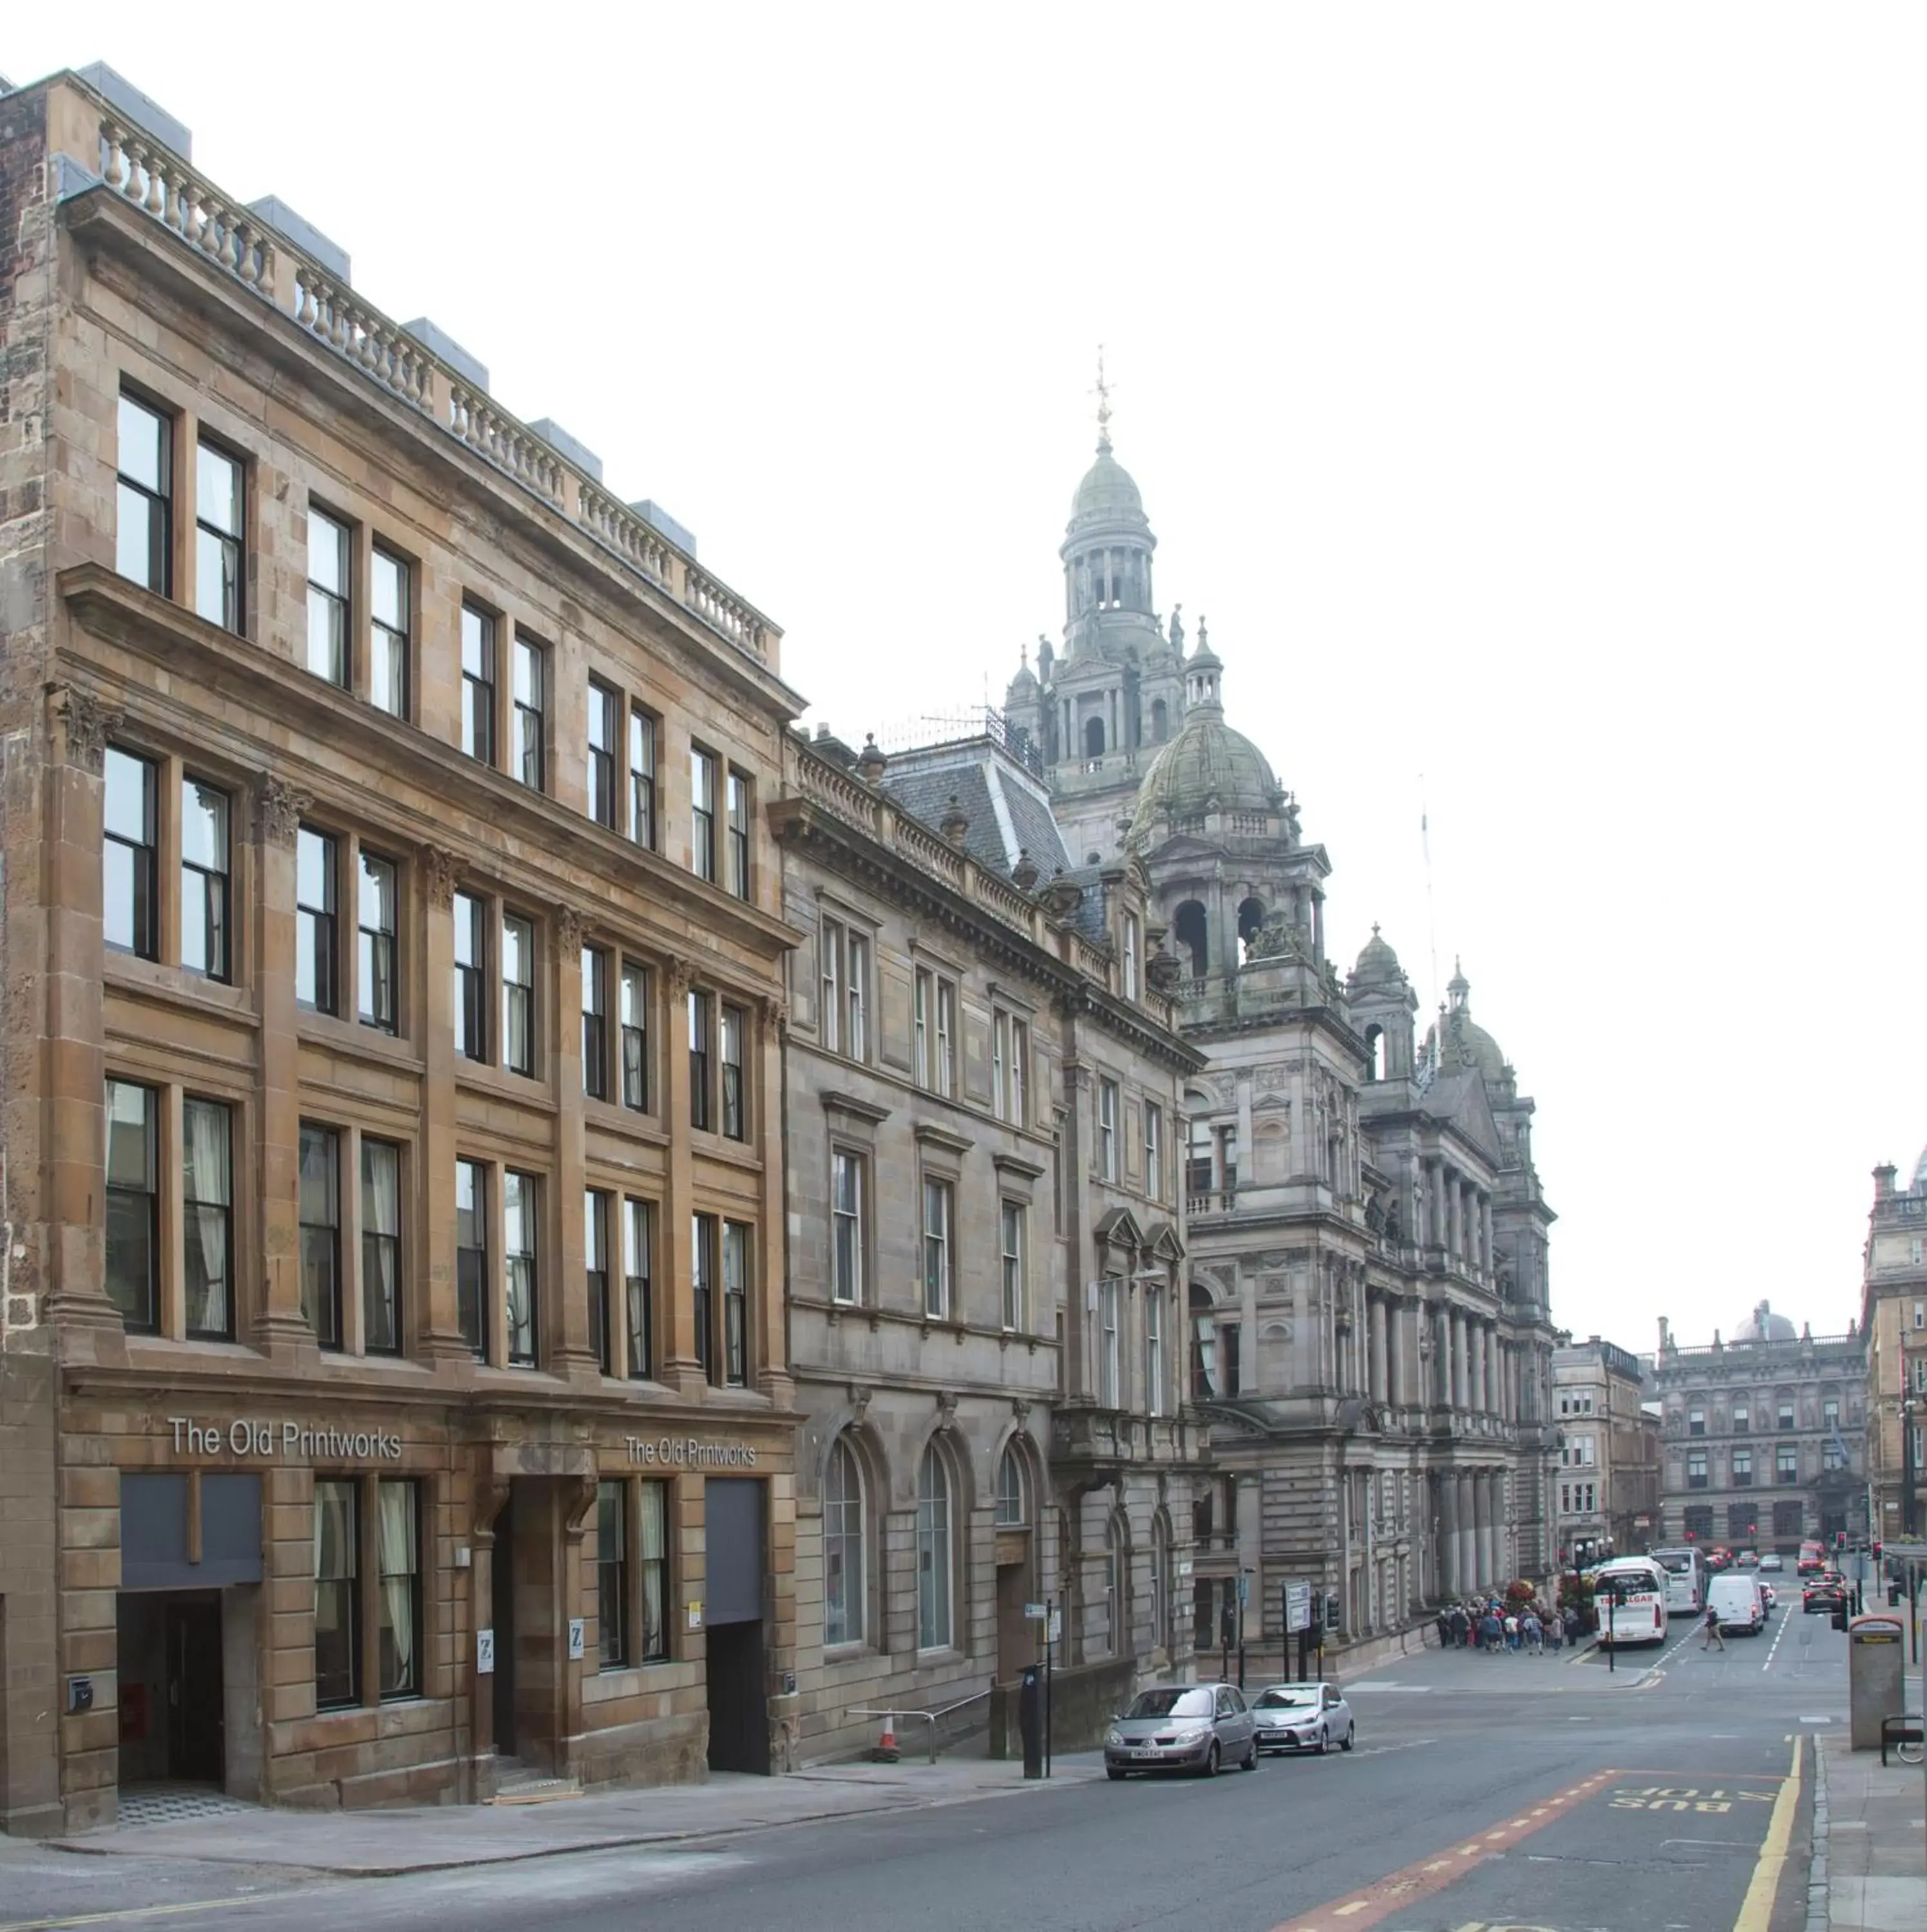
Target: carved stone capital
(774,1008)
(677,974)
(570,925)
(86,724)
(280,810)
(442,870)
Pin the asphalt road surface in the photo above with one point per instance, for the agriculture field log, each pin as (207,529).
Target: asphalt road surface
(1487,1795)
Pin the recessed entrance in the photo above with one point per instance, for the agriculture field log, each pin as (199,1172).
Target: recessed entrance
(735,1670)
(173,1695)
(502,1615)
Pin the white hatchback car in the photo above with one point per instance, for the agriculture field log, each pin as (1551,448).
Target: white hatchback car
(1303,1717)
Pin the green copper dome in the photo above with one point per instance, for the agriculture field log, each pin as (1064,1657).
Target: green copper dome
(1107,494)
(1207,763)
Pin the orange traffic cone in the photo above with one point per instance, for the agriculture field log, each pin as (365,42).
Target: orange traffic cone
(884,1751)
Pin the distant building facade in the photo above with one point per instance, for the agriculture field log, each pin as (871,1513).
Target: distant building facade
(1371,1338)
(1893,1318)
(1763,1436)
(987,1272)
(1608,1454)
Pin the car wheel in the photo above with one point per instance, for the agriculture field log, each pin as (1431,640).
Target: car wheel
(1324,1744)
(1209,1767)
(1115,1776)
(1349,1739)
(1251,1762)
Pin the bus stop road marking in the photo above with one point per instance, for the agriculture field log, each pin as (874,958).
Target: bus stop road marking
(1756,1911)
(1396,1891)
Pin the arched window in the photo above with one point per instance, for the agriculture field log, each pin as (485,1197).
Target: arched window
(1012,1506)
(1374,1053)
(1250,917)
(1094,737)
(1160,720)
(1193,934)
(934,1588)
(1204,1344)
(843,1546)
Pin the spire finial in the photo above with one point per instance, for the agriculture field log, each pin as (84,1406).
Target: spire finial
(1103,392)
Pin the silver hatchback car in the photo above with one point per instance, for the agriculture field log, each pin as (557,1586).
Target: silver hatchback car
(1195,1727)
(1303,1717)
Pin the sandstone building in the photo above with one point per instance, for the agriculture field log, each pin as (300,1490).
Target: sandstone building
(1763,1435)
(393,1393)
(1608,1454)
(1893,1320)
(1366,1234)
(987,1269)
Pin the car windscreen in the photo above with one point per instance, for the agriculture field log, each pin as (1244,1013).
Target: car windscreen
(1174,1701)
(1287,1697)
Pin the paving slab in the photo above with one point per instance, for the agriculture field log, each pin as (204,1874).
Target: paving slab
(383,1843)
(1876,1841)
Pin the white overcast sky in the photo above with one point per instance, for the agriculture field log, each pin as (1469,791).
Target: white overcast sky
(1531,397)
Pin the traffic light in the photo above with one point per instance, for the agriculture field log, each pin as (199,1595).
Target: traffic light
(1840,1539)
(1690,1537)
(1877,1549)
(1753,1529)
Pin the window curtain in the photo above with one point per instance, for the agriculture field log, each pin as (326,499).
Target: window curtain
(207,1132)
(399,1547)
(381,1221)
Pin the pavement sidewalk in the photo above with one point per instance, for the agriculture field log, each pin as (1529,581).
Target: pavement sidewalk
(381,1843)
(1875,1842)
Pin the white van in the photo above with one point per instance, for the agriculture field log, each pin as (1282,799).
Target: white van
(1735,1594)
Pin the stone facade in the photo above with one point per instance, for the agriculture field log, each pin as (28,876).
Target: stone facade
(1367,1236)
(1893,1319)
(333,1368)
(987,1264)
(1608,1454)
(1763,1436)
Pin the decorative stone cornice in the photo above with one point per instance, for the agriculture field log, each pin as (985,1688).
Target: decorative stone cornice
(280,810)
(87,724)
(442,870)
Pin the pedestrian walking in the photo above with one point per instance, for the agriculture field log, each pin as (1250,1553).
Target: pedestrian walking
(1714,1635)
(1534,1633)
(1555,1630)
(1511,1632)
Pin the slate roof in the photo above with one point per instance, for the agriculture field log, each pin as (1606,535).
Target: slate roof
(1006,816)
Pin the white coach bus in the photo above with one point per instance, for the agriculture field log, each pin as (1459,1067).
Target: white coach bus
(1686,1579)
(1640,1618)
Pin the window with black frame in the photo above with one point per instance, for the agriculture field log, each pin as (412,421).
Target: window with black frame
(634,1022)
(206,926)
(317,945)
(130,854)
(638,1295)
(471,938)
(595,1024)
(595,1269)
(398,1600)
(612,1573)
(338,1662)
(220,514)
(381,1246)
(735,1125)
(472,1255)
(133,1275)
(735,1304)
(207,1190)
(144,492)
(320,1191)
(379,1004)
(702,1290)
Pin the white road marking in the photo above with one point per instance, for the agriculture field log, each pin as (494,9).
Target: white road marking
(1785,1626)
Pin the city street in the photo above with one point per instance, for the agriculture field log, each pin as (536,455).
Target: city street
(1503,1792)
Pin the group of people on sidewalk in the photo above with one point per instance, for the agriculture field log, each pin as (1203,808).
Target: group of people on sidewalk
(1492,1624)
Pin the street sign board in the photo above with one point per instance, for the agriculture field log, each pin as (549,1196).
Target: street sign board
(1037,1612)
(1244,1588)
(1298,1606)
(1056,1632)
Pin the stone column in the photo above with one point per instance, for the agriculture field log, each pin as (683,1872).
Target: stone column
(1468,1566)
(1481,1514)
(1492,1348)
(1447,1536)
(567,1347)
(1461,1361)
(438,1325)
(1395,1368)
(1376,1319)
(676,1322)
(1475,1366)
(768,1316)
(280,1327)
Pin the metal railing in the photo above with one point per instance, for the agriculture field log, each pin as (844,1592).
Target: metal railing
(932,1718)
